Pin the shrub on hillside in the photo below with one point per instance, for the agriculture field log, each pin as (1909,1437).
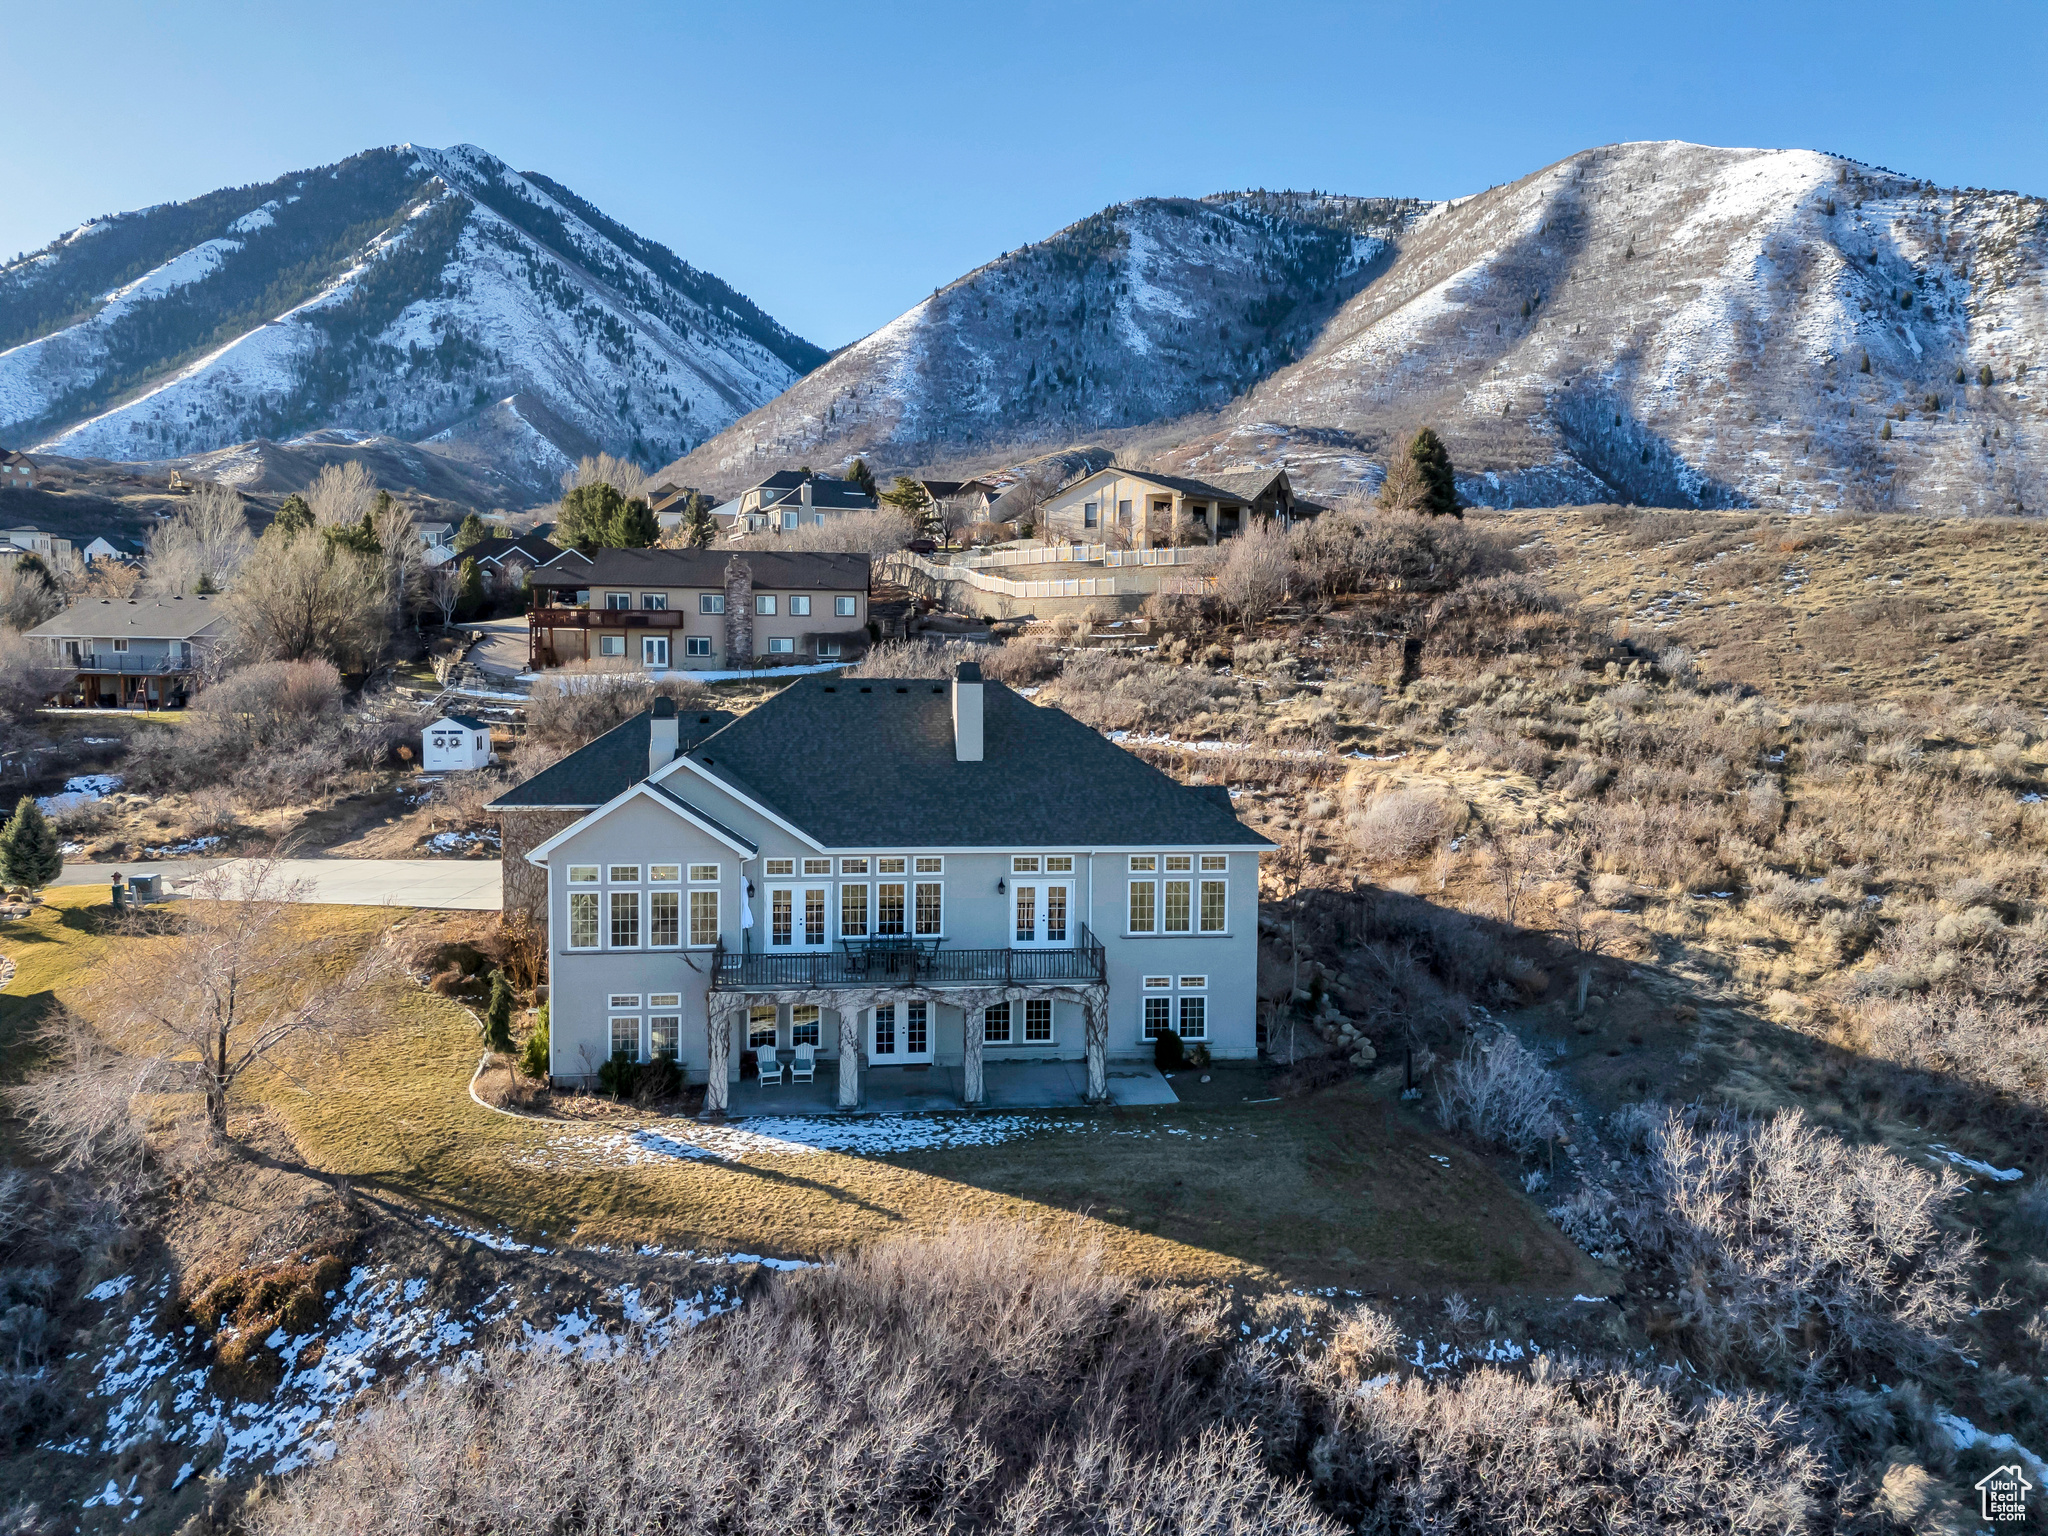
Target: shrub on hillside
(1398,826)
(1501,1094)
(1119,692)
(578,703)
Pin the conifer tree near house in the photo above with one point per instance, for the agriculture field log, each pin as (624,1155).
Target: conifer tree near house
(471,532)
(1432,463)
(498,1014)
(910,496)
(29,855)
(859,473)
(294,515)
(596,516)
(469,590)
(635,526)
(700,529)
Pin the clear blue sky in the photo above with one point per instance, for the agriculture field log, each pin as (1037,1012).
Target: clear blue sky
(835,162)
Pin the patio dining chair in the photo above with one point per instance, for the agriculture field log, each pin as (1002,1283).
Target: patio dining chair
(805,1068)
(771,1068)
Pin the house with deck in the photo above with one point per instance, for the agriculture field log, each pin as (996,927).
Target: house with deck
(1137,509)
(865,876)
(132,653)
(697,610)
(785,501)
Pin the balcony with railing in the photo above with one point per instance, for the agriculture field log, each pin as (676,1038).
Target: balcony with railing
(127,663)
(910,964)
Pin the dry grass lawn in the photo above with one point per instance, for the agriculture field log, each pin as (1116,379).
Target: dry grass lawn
(1339,1189)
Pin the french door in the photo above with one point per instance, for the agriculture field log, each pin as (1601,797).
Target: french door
(654,651)
(796,917)
(1042,913)
(899,1034)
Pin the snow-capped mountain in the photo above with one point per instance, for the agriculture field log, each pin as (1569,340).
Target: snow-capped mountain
(1659,322)
(412,293)
(1674,324)
(1150,309)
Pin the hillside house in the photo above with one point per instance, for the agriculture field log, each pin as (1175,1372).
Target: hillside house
(505,564)
(55,553)
(17,471)
(104,548)
(455,744)
(697,610)
(133,653)
(786,501)
(1137,509)
(976,881)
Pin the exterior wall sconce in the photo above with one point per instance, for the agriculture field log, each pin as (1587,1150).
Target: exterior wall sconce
(1001,888)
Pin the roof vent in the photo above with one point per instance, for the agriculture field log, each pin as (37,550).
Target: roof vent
(903,690)
(967,712)
(867,690)
(830,689)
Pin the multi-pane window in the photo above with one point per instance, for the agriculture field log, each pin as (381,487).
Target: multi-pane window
(916,1039)
(889,909)
(1144,906)
(1027,912)
(1158,1016)
(1215,863)
(1059,864)
(781,916)
(583,874)
(625,874)
(888,866)
(817,866)
(761,1027)
(780,866)
(1024,864)
(853,866)
(583,919)
(703,919)
(995,1024)
(1194,1022)
(703,874)
(1215,911)
(1038,1021)
(803,1024)
(930,908)
(853,910)
(1179,863)
(664,918)
(664,1034)
(885,1030)
(1178,897)
(664,874)
(626,1036)
(625,911)
(1144,863)
(932,866)
(814,915)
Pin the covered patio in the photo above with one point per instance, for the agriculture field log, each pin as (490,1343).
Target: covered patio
(1006,1085)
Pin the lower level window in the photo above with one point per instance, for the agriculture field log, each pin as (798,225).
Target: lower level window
(625,1037)
(611,645)
(664,1034)
(885,1030)
(915,1039)
(697,645)
(1038,1021)
(828,648)
(803,1024)
(781,645)
(761,1027)
(1158,1016)
(995,1024)
(1194,1018)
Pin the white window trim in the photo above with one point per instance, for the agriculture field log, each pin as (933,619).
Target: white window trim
(839,910)
(910,915)
(658,879)
(639,919)
(697,879)
(1155,931)
(1200,927)
(1179,877)
(590,879)
(717,914)
(682,919)
(612,1021)
(569,928)
(797,944)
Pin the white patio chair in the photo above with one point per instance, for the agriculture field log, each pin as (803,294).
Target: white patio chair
(771,1069)
(805,1068)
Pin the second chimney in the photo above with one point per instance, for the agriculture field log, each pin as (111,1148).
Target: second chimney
(967,712)
(663,736)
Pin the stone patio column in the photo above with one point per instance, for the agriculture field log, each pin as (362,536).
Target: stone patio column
(1095,1011)
(851,1054)
(972,1031)
(718,1054)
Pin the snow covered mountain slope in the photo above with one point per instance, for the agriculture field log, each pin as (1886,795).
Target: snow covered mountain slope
(1685,325)
(1149,309)
(406,292)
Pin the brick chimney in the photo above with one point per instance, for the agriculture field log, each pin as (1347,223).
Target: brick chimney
(739,612)
(663,735)
(967,712)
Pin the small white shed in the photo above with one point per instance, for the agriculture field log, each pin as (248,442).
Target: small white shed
(455,743)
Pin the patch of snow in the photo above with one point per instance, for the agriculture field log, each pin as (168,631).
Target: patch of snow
(107,1290)
(189,846)
(2002,1175)
(255,219)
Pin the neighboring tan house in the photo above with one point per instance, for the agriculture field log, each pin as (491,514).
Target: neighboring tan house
(670,499)
(1137,509)
(55,553)
(785,502)
(563,794)
(132,653)
(455,744)
(697,609)
(887,874)
(17,471)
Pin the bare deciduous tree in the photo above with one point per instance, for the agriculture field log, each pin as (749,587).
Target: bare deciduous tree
(444,589)
(622,475)
(1252,576)
(188,1003)
(303,596)
(26,598)
(202,548)
(342,494)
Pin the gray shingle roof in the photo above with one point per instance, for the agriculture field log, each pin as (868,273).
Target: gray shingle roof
(467,722)
(137,618)
(773,571)
(496,547)
(889,777)
(608,766)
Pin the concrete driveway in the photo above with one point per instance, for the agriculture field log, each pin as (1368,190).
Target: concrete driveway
(470,885)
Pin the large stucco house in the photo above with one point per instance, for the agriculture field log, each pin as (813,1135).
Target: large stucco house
(696,610)
(131,653)
(892,873)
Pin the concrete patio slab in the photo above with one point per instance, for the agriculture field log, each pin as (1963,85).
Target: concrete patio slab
(923,1090)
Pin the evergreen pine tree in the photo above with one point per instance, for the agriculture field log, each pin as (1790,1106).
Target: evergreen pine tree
(1984,376)
(633,526)
(470,592)
(498,1014)
(1864,366)
(28,847)
(592,518)
(471,532)
(1886,431)
(1432,463)
(700,529)
(294,515)
(862,476)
